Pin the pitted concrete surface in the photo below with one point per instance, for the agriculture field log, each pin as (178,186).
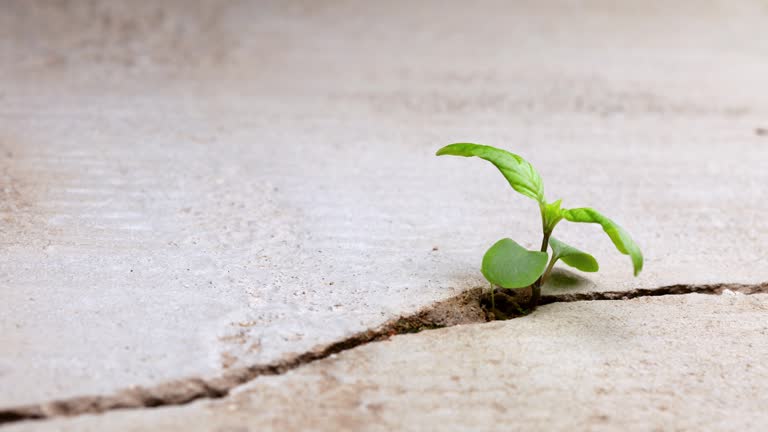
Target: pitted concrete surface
(685,363)
(190,188)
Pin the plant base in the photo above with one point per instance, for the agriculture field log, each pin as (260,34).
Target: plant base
(508,303)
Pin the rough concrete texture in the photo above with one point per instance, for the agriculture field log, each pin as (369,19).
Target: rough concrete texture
(684,363)
(191,187)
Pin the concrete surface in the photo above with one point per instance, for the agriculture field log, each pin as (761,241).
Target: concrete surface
(683,363)
(191,187)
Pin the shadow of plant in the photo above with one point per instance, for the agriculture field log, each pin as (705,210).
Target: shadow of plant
(562,279)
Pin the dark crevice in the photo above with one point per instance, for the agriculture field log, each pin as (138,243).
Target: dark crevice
(680,289)
(462,309)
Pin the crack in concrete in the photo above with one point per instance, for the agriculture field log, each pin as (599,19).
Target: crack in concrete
(461,309)
(680,289)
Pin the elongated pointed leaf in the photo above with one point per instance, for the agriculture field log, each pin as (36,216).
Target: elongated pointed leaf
(519,173)
(620,238)
(509,265)
(573,257)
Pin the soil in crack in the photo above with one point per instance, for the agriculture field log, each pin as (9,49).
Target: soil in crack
(505,304)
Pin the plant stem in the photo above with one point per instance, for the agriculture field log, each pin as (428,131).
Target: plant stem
(493,302)
(545,241)
(552,261)
(536,287)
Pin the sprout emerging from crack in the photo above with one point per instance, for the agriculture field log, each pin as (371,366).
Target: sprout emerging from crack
(507,264)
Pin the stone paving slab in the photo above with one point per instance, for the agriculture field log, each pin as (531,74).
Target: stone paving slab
(684,363)
(191,189)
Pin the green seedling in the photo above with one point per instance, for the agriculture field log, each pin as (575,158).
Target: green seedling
(507,264)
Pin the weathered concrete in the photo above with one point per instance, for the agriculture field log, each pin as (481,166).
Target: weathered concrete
(684,363)
(187,189)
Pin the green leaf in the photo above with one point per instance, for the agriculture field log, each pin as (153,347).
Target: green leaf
(620,238)
(519,173)
(572,256)
(509,265)
(551,215)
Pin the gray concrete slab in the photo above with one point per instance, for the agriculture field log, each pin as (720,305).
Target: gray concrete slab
(686,363)
(188,189)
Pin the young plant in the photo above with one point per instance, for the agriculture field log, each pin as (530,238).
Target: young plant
(507,264)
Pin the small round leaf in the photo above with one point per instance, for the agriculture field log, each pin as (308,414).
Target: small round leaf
(509,265)
(573,257)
